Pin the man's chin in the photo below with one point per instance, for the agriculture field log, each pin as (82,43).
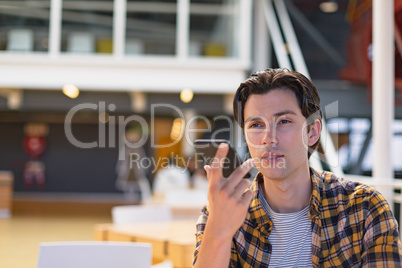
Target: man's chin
(273,173)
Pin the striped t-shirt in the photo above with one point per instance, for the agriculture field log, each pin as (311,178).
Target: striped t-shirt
(290,237)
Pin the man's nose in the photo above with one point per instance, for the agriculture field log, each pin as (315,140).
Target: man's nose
(270,136)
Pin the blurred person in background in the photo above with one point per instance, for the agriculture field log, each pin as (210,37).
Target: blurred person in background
(131,175)
(171,177)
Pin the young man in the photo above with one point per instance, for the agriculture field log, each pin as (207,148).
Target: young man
(293,215)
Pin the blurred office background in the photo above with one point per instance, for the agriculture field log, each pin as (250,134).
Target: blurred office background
(108,60)
(77,77)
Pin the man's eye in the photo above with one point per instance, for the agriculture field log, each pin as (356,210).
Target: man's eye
(284,121)
(254,125)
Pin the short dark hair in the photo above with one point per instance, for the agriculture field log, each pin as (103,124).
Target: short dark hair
(262,82)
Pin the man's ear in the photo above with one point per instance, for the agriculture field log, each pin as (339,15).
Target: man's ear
(314,132)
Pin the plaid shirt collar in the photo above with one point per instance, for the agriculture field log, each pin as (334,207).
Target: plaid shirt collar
(259,218)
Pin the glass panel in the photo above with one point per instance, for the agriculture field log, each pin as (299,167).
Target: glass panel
(151,27)
(214,28)
(24,25)
(87,26)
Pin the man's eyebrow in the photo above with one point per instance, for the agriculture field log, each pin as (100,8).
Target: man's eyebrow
(278,114)
(255,117)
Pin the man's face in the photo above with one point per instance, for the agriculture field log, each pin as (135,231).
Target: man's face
(276,134)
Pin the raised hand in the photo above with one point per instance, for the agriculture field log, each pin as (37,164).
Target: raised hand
(229,198)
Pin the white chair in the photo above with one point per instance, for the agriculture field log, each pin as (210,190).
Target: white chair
(94,254)
(81,42)
(140,213)
(20,40)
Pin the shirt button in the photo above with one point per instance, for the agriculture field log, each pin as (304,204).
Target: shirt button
(266,248)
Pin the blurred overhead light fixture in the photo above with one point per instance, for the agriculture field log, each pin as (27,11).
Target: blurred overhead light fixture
(138,101)
(14,100)
(104,118)
(329,6)
(14,97)
(177,129)
(186,95)
(71,91)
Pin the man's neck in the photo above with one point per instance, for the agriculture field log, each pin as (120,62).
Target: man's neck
(288,195)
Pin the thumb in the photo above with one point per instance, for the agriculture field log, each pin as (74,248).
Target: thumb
(207,169)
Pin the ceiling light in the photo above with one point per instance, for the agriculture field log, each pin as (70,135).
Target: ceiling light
(186,95)
(177,129)
(71,91)
(104,118)
(329,6)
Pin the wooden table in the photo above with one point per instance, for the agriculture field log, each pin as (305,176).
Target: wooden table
(184,204)
(173,240)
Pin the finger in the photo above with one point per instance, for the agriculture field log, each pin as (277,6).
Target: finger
(241,188)
(239,173)
(246,197)
(217,162)
(207,169)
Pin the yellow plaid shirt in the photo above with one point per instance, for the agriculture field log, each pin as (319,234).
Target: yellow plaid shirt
(352,226)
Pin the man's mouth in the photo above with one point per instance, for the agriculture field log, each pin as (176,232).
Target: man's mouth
(270,157)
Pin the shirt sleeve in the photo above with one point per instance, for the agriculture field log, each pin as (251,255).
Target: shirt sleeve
(201,222)
(381,242)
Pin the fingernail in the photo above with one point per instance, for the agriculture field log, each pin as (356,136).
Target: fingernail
(223,145)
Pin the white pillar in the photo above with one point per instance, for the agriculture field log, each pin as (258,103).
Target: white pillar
(182,28)
(383,93)
(244,30)
(262,42)
(55,28)
(119,28)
